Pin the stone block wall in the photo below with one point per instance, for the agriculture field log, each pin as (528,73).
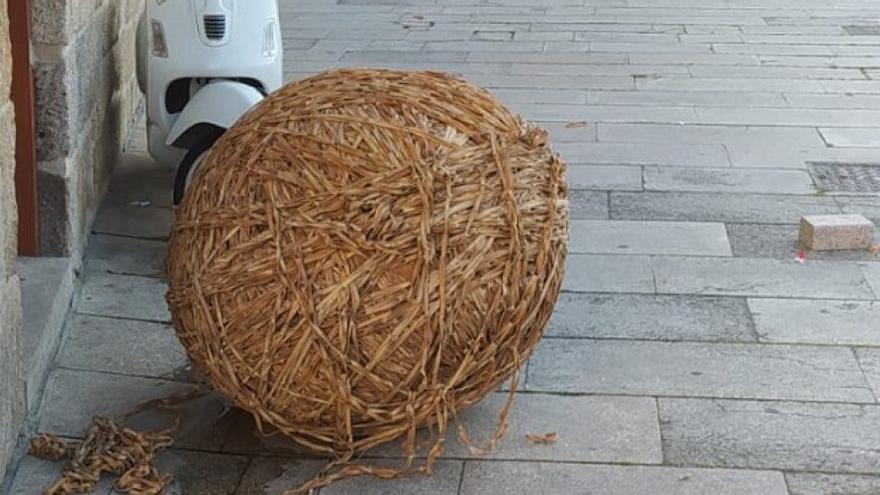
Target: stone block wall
(86,99)
(12,408)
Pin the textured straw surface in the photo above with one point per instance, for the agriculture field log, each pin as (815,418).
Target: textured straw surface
(368,252)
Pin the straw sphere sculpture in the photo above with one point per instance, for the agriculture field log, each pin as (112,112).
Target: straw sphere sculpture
(367,252)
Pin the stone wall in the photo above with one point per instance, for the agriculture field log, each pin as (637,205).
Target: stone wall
(86,98)
(11,376)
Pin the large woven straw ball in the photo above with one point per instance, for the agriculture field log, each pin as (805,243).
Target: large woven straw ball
(368,251)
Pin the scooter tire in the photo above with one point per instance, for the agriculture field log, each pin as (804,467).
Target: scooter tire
(184,170)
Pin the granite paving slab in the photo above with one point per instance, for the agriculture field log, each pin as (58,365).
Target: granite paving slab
(781,242)
(768,181)
(608,273)
(123,296)
(529,478)
(741,371)
(713,207)
(588,204)
(637,237)
(771,435)
(127,347)
(811,321)
(623,316)
(126,256)
(761,277)
(134,221)
(869,360)
(832,484)
(72,398)
(605,177)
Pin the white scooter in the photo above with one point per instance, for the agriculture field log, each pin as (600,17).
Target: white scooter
(202,64)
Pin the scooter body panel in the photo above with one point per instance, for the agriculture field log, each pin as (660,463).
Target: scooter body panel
(220,103)
(188,46)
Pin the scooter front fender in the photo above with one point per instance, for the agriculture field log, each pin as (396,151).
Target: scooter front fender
(218,104)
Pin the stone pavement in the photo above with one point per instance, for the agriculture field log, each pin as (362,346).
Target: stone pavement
(689,354)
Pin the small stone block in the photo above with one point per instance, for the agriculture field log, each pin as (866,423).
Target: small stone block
(836,232)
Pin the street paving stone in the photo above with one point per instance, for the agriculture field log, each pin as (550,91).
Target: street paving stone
(138,180)
(134,221)
(635,237)
(872,275)
(123,296)
(712,207)
(683,98)
(799,436)
(35,475)
(445,480)
(867,206)
(768,181)
(605,177)
(761,136)
(869,359)
(589,429)
(608,273)
(742,371)
(689,127)
(72,398)
(681,155)
(588,204)
(244,437)
(201,472)
(526,479)
(126,256)
(851,137)
(673,318)
(810,321)
(561,132)
(760,277)
(127,347)
(781,242)
(832,484)
(275,475)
